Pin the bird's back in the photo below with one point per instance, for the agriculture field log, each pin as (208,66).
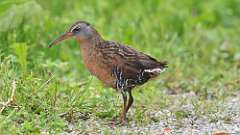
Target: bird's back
(129,67)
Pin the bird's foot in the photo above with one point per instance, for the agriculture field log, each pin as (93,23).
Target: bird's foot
(123,121)
(116,123)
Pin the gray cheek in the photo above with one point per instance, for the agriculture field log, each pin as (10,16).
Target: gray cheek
(88,33)
(85,34)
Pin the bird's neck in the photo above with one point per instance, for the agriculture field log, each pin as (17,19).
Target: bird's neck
(96,41)
(90,46)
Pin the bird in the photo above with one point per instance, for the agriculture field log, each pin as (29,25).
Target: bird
(115,64)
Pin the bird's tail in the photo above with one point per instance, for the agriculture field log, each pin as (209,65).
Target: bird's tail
(160,67)
(163,65)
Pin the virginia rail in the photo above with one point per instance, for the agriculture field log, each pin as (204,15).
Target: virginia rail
(115,64)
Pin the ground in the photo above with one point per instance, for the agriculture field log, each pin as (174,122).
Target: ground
(55,93)
(186,120)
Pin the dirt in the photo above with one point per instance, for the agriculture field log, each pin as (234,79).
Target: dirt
(226,119)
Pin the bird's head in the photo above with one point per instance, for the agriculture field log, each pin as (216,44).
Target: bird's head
(81,30)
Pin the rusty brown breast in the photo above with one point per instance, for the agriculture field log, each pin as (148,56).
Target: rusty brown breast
(94,61)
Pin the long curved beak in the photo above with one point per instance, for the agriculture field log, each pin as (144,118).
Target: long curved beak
(64,36)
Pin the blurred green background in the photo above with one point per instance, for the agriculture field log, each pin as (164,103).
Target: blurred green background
(199,39)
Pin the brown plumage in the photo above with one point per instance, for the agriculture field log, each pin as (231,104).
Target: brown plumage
(115,64)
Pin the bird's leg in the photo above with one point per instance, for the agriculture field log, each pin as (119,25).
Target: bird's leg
(121,86)
(130,100)
(124,109)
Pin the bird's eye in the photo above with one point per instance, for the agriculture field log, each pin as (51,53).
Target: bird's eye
(77,29)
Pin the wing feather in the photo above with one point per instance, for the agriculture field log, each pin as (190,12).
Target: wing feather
(132,62)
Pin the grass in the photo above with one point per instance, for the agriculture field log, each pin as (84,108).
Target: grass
(200,39)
